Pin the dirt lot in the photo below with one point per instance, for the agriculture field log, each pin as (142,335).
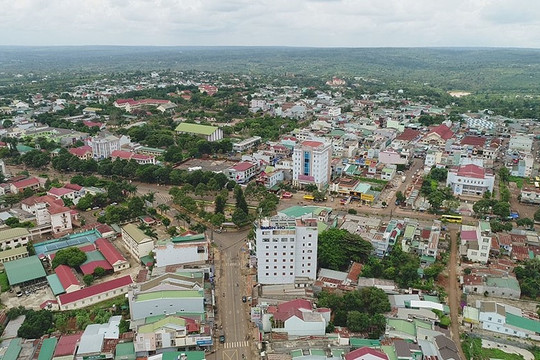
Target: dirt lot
(207,165)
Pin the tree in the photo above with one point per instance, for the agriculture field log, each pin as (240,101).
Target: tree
(239,217)
(88,279)
(373,300)
(240,200)
(318,195)
(400,198)
(163,208)
(439,174)
(525,222)
(337,247)
(99,271)
(166,221)
(36,324)
(358,321)
(85,202)
(537,215)
(504,175)
(220,203)
(71,256)
(502,209)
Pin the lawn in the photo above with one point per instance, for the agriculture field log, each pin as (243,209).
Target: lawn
(4,284)
(499,354)
(517,180)
(472,347)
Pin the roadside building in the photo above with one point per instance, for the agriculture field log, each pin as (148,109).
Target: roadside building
(312,163)
(95,293)
(470,180)
(137,242)
(210,133)
(182,250)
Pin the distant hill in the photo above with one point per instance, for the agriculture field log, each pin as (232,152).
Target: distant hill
(471,69)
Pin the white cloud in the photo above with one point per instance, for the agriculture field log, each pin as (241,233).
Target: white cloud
(350,23)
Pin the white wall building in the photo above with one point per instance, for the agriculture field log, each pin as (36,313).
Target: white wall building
(102,147)
(137,242)
(286,250)
(246,143)
(242,172)
(312,163)
(181,250)
(470,180)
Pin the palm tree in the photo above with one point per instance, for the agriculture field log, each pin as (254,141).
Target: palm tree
(163,208)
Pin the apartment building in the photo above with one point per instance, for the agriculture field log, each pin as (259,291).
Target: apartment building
(311,163)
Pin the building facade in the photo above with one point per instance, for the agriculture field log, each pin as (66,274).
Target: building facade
(102,147)
(470,180)
(311,163)
(286,250)
(137,242)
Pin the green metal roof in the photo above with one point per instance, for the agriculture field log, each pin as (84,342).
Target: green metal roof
(23,148)
(409,231)
(523,323)
(509,283)
(362,188)
(147,260)
(167,294)
(297,353)
(137,234)
(299,211)
(125,351)
(435,299)
(191,355)
(317,352)
(321,227)
(172,320)
(337,353)
(13,350)
(25,269)
(484,226)
(93,256)
(197,237)
(403,326)
(14,233)
(47,348)
(196,129)
(358,343)
(55,284)
(390,351)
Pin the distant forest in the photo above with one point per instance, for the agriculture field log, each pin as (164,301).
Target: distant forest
(479,70)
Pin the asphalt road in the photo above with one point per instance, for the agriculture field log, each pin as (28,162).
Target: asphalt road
(232,314)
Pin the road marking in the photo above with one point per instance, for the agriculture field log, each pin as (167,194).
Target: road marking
(230,355)
(236,344)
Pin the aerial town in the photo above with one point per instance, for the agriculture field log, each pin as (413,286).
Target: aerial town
(193,216)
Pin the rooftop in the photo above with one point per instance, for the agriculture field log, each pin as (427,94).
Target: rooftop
(196,128)
(13,233)
(47,348)
(95,289)
(168,294)
(136,234)
(25,269)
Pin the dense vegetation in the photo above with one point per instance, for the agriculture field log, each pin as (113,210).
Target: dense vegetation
(337,248)
(361,311)
(528,275)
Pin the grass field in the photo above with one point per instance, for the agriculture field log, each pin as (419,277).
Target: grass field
(4,284)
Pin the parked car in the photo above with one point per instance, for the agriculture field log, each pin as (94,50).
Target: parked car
(244,299)
(222,339)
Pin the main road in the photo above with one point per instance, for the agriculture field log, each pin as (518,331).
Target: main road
(232,313)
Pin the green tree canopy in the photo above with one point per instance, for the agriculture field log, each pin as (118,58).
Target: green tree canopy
(71,256)
(337,247)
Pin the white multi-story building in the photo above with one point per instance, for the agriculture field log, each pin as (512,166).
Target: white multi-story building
(476,242)
(470,180)
(521,143)
(181,250)
(286,250)
(312,163)
(242,172)
(102,147)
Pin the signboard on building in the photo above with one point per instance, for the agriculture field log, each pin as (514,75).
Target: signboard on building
(256,314)
(204,341)
(367,197)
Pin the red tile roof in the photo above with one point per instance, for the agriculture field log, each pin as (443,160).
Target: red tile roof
(292,308)
(520,252)
(408,135)
(126,155)
(443,131)
(367,353)
(95,289)
(471,171)
(26,183)
(80,151)
(59,192)
(66,276)
(355,271)
(91,266)
(472,280)
(243,166)
(473,141)
(73,187)
(469,235)
(111,254)
(67,345)
(313,144)
(505,239)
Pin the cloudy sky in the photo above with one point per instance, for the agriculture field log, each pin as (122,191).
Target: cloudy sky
(320,23)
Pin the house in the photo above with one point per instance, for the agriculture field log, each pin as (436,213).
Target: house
(111,254)
(438,135)
(138,158)
(530,195)
(14,237)
(168,294)
(136,241)
(82,152)
(524,167)
(95,293)
(366,353)
(242,172)
(73,192)
(21,185)
(67,278)
(521,143)
(182,250)
(506,287)
(246,144)
(210,133)
(392,157)
(446,348)
(169,334)
(49,210)
(93,340)
(66,347)
(297,318)
(470,179)
(476,242)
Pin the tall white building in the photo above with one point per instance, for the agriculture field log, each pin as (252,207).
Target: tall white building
(311,163)
(102,147)
(286,250)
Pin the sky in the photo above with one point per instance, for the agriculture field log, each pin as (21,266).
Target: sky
(314,23)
